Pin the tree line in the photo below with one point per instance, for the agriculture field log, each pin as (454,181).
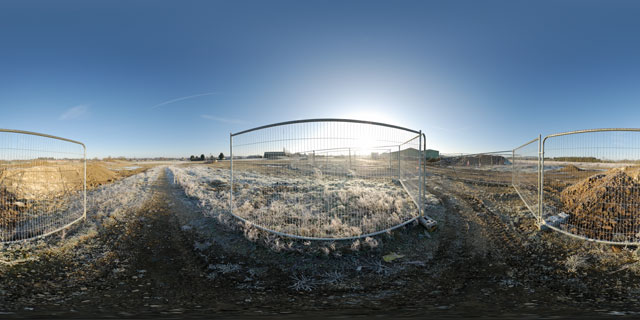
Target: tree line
(202,157)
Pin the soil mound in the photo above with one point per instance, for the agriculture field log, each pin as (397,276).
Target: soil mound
(569,168)
(605,206)
(98,175)
(51,179)
(10,207)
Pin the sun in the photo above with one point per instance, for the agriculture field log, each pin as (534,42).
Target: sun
(370,114)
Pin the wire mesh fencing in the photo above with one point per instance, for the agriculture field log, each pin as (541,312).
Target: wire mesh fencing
(525,176)
(411,165)
(493,168)
(591,184)
(326,178)
(42,184)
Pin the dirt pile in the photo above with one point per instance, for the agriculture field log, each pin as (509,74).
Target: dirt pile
(44,180)
(52,179)
(10,208)
(570,168)
(605,206)
(97,175)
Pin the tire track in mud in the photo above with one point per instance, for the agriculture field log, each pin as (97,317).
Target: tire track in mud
(501,233)
(461,267)
(530,269)
(153,266)
(160,246)
(508,259)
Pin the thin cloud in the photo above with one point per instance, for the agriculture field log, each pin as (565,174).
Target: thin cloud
(223,120)
(183,98)
(74,113)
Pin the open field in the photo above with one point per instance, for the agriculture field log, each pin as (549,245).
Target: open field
(161,242)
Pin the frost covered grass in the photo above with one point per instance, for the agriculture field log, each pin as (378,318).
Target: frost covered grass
(575,262)
(209,186)
(108,202)
(310,206)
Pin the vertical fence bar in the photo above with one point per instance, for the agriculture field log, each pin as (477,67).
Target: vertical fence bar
(424,168)
(513,168)
(399,164)
(84,185)
(421,154)
(231,172)
(540,180)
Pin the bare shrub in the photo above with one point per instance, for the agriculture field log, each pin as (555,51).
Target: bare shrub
(302,283)
(575,262)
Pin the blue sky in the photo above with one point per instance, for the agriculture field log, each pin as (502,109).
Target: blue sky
(474,75)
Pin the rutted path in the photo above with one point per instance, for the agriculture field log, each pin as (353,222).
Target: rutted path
(154,262)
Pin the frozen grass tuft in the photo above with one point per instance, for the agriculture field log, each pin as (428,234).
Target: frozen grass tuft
(225,268)
(332,277)
(371,242)
(378,267)
(302,283)
(575,262)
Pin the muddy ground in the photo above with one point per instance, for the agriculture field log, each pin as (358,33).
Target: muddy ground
(166,259)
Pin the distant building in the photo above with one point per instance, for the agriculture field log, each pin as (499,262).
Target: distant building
(431,154)
(414,153)
(273,154)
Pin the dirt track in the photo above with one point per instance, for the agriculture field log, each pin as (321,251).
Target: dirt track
(166,259)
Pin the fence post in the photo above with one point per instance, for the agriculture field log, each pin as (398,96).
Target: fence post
(424,166)
(231,172)
(420,155)
(399,170)
(349,158)
(540,179)
(513,167)
(84,187)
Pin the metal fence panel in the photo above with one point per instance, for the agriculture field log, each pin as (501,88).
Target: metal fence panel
(591,183)
(326,178)
(42,184)
(411,170)
(526,166)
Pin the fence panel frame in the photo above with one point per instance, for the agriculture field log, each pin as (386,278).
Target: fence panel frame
(541,185)
(421,179)
(84,183)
